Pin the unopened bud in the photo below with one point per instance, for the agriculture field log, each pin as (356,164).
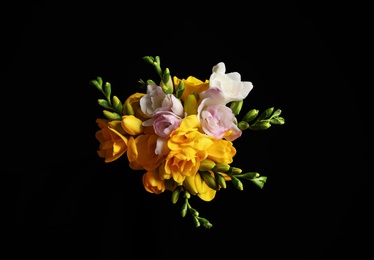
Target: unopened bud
(175,195)
(221,181)
(221,167)
(236,106)
(179,90)
(129,110)
(209,180)
(190,106)
(251,114)
(235,170)
(206,165)
(243,125)
(111,115)
(117,104)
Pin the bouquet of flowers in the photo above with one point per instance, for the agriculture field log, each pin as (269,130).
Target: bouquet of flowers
(179,133)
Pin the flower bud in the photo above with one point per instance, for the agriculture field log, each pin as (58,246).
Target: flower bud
(175,195)
(209,180)
(108,90)
(235,170)
(129,110)
(167,82)
(221,181)
(111,115)
(236,106)
(237,183)
(251,114)
(243,125)
(117,103)
(221,167)
(184,209)
(132,125)
(190,106)
(206,165)
(263,125)
(180,89)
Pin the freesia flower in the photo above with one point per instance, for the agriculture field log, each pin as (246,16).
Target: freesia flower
(191,85)
(112,138)
(152,100)
(215,117)
(152,182)
(230,84)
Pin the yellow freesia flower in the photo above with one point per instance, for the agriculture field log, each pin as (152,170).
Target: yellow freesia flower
(196,186)
(191,85)
(188,147)
(113,142)
(132,125)
(152,182)
(222,151)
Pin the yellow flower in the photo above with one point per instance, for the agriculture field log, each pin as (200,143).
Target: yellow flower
(191,85)
(133,100)
(141,153)
(188,147)
(152,182)
(132,125)
(196,186)
(112,138)
(222,151)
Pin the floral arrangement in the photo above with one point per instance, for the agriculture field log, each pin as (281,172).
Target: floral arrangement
(179,133)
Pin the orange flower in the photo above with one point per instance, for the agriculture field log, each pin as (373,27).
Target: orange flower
(141,153)
(133,100)
(113,140)
(152,182)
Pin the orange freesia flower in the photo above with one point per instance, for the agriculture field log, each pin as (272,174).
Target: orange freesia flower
(112,138)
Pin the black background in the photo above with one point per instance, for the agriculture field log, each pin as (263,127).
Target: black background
(65,202)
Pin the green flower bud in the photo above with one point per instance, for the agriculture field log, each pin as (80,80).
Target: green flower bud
(237,183)
(194,212)
(263,125)
(184,208)
(235,170)
(108,90)
(190,105)
(196,221)
(112,115)
(129,110)
(117,103)
(104,103)
(221,167)
(248,175)
(97,83)
(236,106)
(251,114)
(206,165)
(209,180)
(179,90)
(205,222)
(175,195)
(186,195)
(221,181)
(167,83)
(243,125)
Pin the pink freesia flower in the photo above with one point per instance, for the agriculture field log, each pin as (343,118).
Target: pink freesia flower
(215,117)
(152,100)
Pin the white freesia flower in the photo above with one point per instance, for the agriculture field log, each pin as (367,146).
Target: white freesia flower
(229,83)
